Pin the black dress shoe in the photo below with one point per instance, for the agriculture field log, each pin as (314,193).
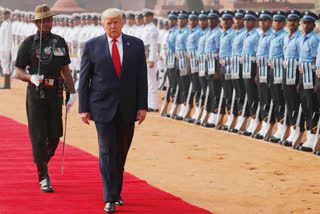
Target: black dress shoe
(152,110)
(225,128)
(208,125)
(166,115)
(287,143)
(197,122)
(317,152)
(245,133)
(177,117)
(258,136)
(110,207)
(191,120)
(45,185)
(305,149)
(119,202)
(234,130)
(274,139)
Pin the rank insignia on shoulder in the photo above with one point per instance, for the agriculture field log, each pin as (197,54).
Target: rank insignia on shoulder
(60,52)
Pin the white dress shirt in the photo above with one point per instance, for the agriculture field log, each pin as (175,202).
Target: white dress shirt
(119,46)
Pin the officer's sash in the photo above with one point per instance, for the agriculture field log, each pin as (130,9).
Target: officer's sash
(247,66)
(291,71)
(182,63)
(307,68)
(277,70)
(202,65)
(263,69)
(170,60)
(193,62)
(211,63)
(235,67)
(227,63)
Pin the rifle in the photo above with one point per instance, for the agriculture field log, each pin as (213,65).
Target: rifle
(269,130)
(297,134)
(316,139)
(173,106)
(164,104)
(256,119)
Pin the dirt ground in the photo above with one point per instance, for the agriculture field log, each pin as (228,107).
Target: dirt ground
(221,172)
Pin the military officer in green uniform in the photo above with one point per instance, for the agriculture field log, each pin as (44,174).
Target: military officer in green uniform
(43,61)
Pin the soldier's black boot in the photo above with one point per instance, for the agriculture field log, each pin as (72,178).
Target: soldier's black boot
(44,179)
(6,82)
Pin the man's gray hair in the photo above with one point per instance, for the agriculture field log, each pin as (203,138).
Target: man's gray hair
(111,13)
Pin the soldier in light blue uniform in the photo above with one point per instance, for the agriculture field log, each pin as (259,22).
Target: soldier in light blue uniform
(276,59)
(236,76)
(225,55)
(181,50)
(308,79)
(171,63)
(263,74)
(201,58)
(212,50)
(291,48)
(192,47)
(250,44)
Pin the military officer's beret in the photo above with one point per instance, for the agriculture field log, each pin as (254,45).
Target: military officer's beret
(227,14)
(264,14)
(203,14)
(309,16)
(293,14)
(172,15)
(249,15)
(183,14)
(213,13)
(76,16)
(279,15)
(193,15)
(239,13)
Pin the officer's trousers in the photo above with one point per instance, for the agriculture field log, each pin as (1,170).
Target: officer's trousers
(238,84)
(252,91)
(214,95)
(278,102)
(184,82)
(264,100)
(203,83)
(44,123)
(152,88)
(227,92)
(310,106)
(196,87)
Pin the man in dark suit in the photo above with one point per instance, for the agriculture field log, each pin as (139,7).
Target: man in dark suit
(113,92)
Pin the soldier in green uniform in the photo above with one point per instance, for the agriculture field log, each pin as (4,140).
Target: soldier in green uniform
(43,61)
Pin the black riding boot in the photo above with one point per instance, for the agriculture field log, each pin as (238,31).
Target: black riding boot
(44,179)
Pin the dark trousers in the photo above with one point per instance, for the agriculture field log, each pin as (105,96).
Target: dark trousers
(114,142)
(44,123)
(172,82)
(184,82)
(227,92)
(214,95)
(238,84)
(310,106)
(278,102)
(264,99)
(252,91)
(292,100)
(196,87)
(203,83)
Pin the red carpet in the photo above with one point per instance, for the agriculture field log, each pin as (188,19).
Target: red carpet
(78,191)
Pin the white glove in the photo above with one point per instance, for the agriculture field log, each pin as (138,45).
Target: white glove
(71,101)
(36,78)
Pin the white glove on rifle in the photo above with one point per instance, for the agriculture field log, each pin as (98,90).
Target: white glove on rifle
(71,101)
(36,78)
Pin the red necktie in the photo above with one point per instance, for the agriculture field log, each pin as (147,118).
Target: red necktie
(116,57)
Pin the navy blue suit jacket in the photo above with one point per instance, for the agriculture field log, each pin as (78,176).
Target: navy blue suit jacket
(101,91)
